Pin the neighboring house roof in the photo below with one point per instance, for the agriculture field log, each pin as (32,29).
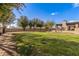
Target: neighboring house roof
(69,23)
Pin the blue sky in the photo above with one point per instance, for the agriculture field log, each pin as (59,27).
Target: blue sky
(56,12)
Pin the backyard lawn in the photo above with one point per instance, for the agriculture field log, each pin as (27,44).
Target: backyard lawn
(47,44)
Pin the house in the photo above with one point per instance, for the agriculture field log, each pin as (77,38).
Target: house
(68,26)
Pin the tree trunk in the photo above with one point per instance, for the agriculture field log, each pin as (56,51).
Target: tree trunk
(30,27)
(40,28)
(34,28)
(3,28)
(24,29)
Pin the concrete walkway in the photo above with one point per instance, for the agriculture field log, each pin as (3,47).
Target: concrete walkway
(7,45)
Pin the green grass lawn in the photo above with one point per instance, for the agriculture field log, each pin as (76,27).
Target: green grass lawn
(47,44)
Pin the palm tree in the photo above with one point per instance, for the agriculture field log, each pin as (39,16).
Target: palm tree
(23,22)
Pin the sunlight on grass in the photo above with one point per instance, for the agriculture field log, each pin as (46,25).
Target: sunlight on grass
(47,43)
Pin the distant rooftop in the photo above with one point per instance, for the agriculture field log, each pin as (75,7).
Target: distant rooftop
(70,22)
(73,21)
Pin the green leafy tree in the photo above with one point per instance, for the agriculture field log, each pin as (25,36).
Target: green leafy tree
(6,14)
(49,24)
(31,24)
(23,22)
(34,22)
(40,24)
(6,20)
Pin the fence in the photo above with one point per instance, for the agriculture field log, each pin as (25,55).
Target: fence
(18,30)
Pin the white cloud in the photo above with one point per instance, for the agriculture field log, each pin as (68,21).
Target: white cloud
(76,5)
(53,13)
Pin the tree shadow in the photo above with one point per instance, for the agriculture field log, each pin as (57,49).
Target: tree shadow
(9,48)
